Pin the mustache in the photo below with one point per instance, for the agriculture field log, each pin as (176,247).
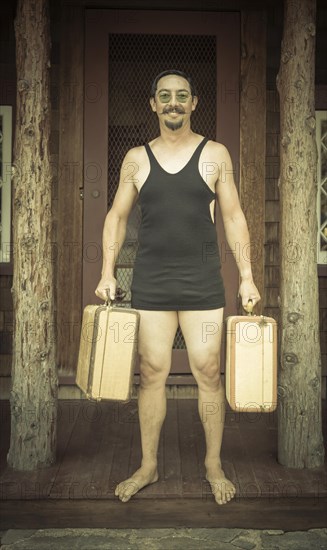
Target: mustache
(177,109)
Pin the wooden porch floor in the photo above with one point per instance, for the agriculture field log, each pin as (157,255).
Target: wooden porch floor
(99,445)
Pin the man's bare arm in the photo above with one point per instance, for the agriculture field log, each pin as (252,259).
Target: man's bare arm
(235,225)
(114,230)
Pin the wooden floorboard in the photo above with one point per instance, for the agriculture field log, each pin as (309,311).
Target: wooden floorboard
(99,446)
(136,449)
(5,433)
(172,458)
(258,451)
(191,475)
(74,475)
(38,484)
(199,438)
(244,480)
(263,513)
(102,466)
(122,452)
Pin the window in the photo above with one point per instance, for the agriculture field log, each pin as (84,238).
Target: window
(5,182)
(321,137)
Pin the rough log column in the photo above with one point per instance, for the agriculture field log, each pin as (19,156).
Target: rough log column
(253,139)
(300,443)
(34,377)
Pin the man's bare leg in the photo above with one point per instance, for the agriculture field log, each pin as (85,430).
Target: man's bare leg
(155,341)
(202,332)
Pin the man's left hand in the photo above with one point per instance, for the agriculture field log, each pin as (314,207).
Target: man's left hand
(248,291)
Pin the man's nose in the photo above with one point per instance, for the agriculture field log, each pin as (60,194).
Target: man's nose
(173,100)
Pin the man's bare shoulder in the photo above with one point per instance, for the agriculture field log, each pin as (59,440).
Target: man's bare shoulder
(135,154)
(216,151)
(135,166)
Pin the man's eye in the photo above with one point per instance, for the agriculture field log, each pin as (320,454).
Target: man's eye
(164,98)
(182,97)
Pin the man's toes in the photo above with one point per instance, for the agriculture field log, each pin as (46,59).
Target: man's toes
(130,491)
(122,493)
(126,490)
(120,490)
(125,497)
(230,492)
(223,493)
(224,498)
(127,493)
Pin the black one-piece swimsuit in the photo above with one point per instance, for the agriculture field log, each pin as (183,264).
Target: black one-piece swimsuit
(177,266)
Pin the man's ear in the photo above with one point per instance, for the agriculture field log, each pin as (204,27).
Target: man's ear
(153,104)
(194,102)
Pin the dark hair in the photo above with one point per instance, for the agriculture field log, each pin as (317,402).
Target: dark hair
(173,72)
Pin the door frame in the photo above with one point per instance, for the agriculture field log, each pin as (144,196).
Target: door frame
(98,24)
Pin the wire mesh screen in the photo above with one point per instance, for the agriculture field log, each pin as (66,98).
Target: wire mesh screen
(134,61)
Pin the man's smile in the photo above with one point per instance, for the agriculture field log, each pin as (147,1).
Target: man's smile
(174,110)
(174,114)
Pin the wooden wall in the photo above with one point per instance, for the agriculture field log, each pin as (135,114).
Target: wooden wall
(71,174)
(274,37)
(323,330)
(7,97)
(66,147)
(272,205)
(252,138)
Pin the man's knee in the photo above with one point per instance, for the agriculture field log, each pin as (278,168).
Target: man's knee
(153,370)
(206,369)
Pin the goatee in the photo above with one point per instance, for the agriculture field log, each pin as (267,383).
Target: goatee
(173,125)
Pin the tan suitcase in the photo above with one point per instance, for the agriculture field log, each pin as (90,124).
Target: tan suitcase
(108,352)
(251,363)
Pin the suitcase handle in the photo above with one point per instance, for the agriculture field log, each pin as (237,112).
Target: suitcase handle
(119,296)
(249,307)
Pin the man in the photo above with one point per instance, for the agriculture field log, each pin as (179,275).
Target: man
(176,280)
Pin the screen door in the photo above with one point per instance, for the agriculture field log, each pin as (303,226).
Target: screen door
(125,50)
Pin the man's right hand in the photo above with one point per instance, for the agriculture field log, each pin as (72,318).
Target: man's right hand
(105,284)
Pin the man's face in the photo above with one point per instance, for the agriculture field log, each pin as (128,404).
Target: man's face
(173,101)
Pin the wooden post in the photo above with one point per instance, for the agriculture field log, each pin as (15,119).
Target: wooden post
(300,442)
(253,140)
(34,377)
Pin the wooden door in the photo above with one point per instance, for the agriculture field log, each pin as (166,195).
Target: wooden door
(124,51)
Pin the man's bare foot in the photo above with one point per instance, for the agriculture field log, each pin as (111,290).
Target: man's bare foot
(142,477)
(223,489)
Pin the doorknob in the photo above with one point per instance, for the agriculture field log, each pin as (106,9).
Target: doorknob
(95,194)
